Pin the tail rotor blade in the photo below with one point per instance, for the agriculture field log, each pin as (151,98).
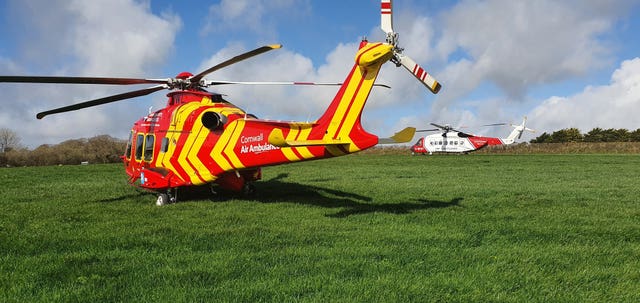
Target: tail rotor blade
(422,75)
(105,100)
(386,16)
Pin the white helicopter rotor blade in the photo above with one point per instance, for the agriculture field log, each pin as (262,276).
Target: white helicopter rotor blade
(422,75)
(386,16)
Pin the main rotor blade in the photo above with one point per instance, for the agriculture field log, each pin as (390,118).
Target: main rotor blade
(440,126)
(236,59)
(494,124)
(80,80)
(105,100)
(208,83)
(422,75)
(386,16)
(427,130)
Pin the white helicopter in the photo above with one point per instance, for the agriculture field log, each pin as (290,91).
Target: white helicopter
(450,140)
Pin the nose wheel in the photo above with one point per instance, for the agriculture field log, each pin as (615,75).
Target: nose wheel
(171,196)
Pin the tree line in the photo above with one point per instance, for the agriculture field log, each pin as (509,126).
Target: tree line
(106,149)
(98,149)
(595,135)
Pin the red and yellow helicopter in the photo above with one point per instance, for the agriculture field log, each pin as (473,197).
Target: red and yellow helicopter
(200,138)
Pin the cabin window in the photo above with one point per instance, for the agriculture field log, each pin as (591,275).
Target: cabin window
(139,143)
(148,147)
(164,147)
(127,150)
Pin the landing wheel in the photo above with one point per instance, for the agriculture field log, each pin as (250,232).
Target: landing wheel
(249,190)
(171,196)
(163,199)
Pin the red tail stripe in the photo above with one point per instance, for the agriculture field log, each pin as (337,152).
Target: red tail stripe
(347,112)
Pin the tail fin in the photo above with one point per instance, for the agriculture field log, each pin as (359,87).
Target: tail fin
(341,120)
(517,132)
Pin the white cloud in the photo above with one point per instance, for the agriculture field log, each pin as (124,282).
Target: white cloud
(616,105)
(257,16)
(518,45)
(82,38)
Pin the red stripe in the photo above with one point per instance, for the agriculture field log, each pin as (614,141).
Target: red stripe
(193,167)
(226,144)
(368,50)
(385,5)
(355,94)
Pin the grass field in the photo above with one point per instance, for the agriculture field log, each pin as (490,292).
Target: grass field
(361,228)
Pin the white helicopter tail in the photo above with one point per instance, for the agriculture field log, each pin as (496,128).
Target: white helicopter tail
(517,132)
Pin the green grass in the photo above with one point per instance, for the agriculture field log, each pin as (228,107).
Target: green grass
(361,228)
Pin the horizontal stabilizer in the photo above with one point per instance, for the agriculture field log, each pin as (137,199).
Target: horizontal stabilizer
(276,138)
(402,136)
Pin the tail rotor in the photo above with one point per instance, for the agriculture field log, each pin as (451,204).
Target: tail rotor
(386,24)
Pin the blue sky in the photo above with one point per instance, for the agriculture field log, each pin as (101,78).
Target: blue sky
(570,63)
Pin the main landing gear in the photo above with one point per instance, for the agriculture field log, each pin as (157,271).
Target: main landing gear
(247,190)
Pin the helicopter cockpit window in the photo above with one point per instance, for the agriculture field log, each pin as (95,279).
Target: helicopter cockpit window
(139,143)
(148,147)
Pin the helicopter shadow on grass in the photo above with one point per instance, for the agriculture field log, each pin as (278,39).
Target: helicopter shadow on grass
(277,190)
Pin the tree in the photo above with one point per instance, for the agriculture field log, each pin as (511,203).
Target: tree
(8,140)
(541,139)
(634,136)
(566,135)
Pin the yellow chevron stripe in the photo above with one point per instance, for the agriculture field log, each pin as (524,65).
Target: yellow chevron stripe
(195,140)
(189,145)
(216,152)
(200,137)
(352,115)
(304,135)
(340,113)
(182,159)
(174,132)
(235,161)
(342,107)
(287,151)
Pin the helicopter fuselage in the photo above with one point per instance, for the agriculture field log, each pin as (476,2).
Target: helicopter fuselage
(200,138)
